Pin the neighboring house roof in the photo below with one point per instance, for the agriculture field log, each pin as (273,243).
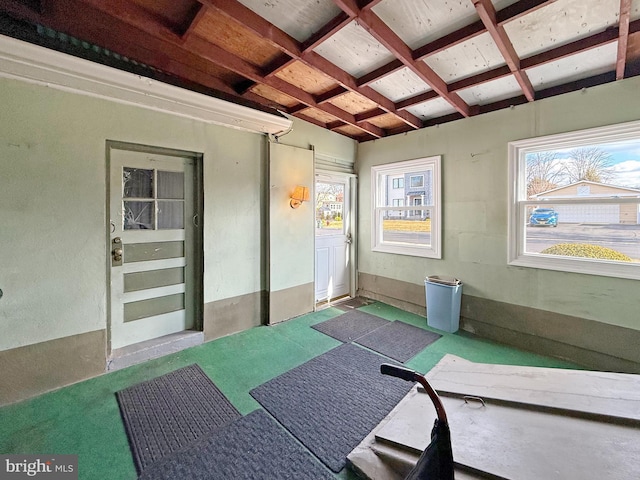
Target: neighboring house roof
(596,190)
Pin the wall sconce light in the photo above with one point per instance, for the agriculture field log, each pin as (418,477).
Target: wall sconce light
(299,195)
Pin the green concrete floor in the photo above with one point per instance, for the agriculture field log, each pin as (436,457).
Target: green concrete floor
(84,419)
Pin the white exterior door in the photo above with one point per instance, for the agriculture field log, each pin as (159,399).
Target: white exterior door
(333,262)
(151,251)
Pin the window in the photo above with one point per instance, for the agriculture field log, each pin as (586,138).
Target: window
(416,181)
(398,227)
(575,201)
(398,183)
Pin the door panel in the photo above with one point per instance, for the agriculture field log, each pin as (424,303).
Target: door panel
(333,237)
(152,212)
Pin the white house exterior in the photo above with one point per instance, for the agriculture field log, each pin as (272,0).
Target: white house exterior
(591,209)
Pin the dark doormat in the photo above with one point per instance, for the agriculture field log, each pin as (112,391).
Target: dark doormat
(333,401)
(169,412)
(350,326)
(252,448)
(398,340)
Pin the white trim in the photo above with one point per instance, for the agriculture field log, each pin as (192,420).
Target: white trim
(377,244)
(517,151)
(42,66)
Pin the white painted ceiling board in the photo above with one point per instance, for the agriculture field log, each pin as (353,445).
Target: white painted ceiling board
(354,50)
(586,64)
(489,92)
(560,23)
(423,21)
(474,56)
(432,109)
(635,10)
(299,18)
(400,85)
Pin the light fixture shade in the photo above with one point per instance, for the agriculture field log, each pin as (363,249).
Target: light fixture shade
(299,195)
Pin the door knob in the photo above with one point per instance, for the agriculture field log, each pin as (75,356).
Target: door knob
(117,254)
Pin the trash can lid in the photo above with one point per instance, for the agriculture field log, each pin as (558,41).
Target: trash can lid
(452,281)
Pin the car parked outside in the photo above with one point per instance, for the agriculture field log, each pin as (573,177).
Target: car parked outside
(544,216)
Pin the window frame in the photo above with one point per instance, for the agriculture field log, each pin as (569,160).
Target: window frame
(518,202)
(434,250)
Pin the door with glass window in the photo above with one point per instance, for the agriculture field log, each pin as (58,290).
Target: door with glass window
(333,261)
(152,256)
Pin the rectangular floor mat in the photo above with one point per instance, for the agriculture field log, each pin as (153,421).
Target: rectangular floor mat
(169,412)
(350,326)
(333,401)
(252,448)
(398,340)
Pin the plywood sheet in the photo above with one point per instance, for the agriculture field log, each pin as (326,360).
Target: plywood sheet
(236,39)
(386,121)
(598,393)
(306,78)
(354,50)
(298,18)
(354,103)
(320,115)
(532,423)
(350,130)
(274,95)
(559,23)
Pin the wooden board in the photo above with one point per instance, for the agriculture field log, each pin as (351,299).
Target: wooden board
(306,78)
(274,95)
(236,39)
(387,121)
(354,103)
(534,423)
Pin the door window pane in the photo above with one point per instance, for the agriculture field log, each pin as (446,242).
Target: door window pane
(170,214)
(329,208)
(137,183)
(138,215)
(170,184)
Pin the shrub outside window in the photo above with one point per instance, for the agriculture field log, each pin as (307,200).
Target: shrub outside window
(575,201)
(397,225)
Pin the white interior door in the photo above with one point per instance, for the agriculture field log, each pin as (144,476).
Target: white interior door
(152,224)
(333,262)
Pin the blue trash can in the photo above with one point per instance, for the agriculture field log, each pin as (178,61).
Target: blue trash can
(444,295)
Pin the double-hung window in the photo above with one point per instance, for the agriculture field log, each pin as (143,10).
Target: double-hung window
(575,201)
(406,220)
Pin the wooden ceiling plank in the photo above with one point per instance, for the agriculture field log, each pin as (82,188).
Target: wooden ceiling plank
(416,99)
(480,78)
(519,9)
(249,19)
(331,28)
(376,112)
(555,54)
(487,14)
(331,94)
(623,37)
(381,32)
(467,32)
(380,73)
(309,119)
(130,42)
(199,13)
(130,14)
(452,39)
(280,39)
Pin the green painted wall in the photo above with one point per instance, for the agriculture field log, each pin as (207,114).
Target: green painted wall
(475,195)
(53,267)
